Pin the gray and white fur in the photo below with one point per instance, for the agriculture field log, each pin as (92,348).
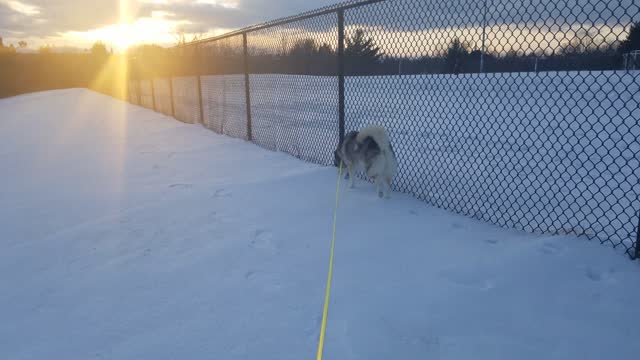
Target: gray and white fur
(369,150)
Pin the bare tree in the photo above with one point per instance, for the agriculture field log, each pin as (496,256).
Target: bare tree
(181,36)
(284,46)
(198,36)
(99,50)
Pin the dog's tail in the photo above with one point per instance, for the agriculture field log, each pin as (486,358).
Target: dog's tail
(378,134)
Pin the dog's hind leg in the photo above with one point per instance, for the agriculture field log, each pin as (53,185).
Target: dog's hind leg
(387,183)
(345,169)
(379,185)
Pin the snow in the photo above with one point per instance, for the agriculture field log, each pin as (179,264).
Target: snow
(474,144)
(548,152)
(125,234)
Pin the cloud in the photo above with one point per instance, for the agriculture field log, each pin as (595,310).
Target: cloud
(231,14)
(23,8)
(64,21)
(43,18)
(51,18)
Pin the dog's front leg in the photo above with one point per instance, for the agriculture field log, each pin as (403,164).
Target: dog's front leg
(387,186)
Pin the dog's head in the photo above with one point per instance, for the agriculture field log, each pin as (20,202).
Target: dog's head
(349,138)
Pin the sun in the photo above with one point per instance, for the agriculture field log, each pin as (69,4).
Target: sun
(158,28)
(120,36)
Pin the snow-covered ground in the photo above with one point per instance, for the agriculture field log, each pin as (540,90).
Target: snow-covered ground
(125,234)
(553,152)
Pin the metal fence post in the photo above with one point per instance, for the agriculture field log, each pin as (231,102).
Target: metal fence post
(637,252)
(139,93)
(173,111)
(340,76)
(200,63)
(153,95)
(484,31)
(247,90)
(200,99)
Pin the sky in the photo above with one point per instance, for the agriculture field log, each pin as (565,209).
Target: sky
(122,23)
(422,28)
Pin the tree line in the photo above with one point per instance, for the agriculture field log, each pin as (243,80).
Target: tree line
(97,69)
(362,56)
(45,70)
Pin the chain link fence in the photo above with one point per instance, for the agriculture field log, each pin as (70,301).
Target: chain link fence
(522,114)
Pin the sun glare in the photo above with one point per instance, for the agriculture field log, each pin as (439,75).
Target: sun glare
(120,36)
(158,28)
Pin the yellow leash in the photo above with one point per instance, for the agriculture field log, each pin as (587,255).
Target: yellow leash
(327,294)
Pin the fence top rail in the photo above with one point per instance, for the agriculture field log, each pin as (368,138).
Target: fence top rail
(286,20)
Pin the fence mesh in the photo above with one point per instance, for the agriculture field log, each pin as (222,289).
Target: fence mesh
(133,91)
(223,86)
(146,94)
(522,114)
(186,99)
(162,93)
(294,103)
